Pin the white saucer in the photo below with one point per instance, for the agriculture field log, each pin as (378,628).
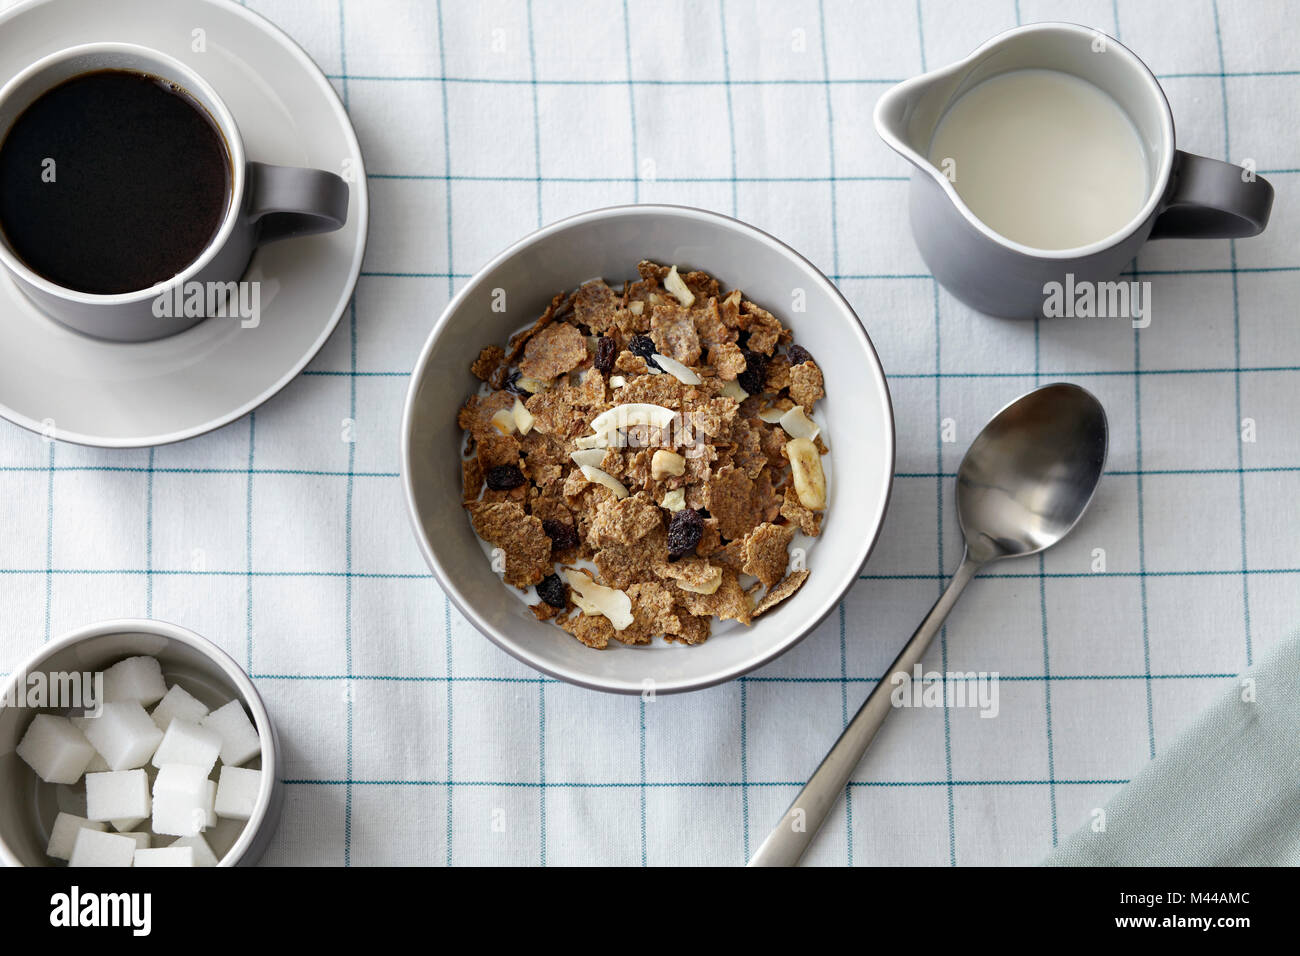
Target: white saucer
(53,380)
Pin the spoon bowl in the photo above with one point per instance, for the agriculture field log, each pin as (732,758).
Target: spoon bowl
(1029,475)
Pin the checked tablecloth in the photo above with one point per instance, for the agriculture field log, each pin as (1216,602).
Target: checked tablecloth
(411,739)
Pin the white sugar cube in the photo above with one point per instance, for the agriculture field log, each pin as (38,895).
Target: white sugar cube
(55,749)
(165,856)
(64,834)
(203,855)
(97,763)
(237,792)
(143,840)
(239,740)
(94,848)
(117,795)
(124,734)
(188,743)
(137,678)
(127,824)
(180,796)
(178,702)
(207,804)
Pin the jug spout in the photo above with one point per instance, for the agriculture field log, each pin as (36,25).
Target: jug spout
(893,112)
(907,115)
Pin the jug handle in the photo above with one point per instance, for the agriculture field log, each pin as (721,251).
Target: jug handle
(1211,199)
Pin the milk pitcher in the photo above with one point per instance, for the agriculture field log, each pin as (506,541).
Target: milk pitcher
(1179,194)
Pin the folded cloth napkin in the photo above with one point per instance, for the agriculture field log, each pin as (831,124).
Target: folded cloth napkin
(1226,793)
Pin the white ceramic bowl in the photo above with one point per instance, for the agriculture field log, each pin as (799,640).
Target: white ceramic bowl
(856,413)
(28,805)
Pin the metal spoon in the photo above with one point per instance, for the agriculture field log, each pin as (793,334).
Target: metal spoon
(1024,483)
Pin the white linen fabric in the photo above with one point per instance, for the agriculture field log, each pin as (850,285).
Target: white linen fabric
(409,738)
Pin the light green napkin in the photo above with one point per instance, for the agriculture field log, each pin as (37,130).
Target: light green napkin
(1226,793)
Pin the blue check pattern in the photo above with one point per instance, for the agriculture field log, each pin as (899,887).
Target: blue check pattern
(411,739)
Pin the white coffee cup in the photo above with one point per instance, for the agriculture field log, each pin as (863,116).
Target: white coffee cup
(265,202)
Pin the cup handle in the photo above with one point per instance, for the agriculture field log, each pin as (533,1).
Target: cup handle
(288,201)
(1210,199)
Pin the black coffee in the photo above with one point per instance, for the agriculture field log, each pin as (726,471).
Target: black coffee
(112,181)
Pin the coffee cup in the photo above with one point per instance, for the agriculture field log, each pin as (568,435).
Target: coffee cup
(969,131)
(262,203)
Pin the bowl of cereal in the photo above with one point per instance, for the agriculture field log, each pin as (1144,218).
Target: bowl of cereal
(647,447)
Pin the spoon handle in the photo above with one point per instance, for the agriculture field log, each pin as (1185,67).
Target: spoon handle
(791,837)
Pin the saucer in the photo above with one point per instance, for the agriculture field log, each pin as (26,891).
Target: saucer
(114,395)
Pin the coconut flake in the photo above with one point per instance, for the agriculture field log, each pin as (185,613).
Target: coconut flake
(677,370)
(772,416)
(504,422)
(733,390)
(596,600)
(589,457)
(523,417)
(596,476)
(631,415)
(799,425)
(617,381)
(677,286)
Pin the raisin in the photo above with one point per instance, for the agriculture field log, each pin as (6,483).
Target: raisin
(799,355)
(644,346)
(684,533)
(606,353)
(563,536)
(504,477)
(751,379)
(742,337)
(553,591)
(512,386)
